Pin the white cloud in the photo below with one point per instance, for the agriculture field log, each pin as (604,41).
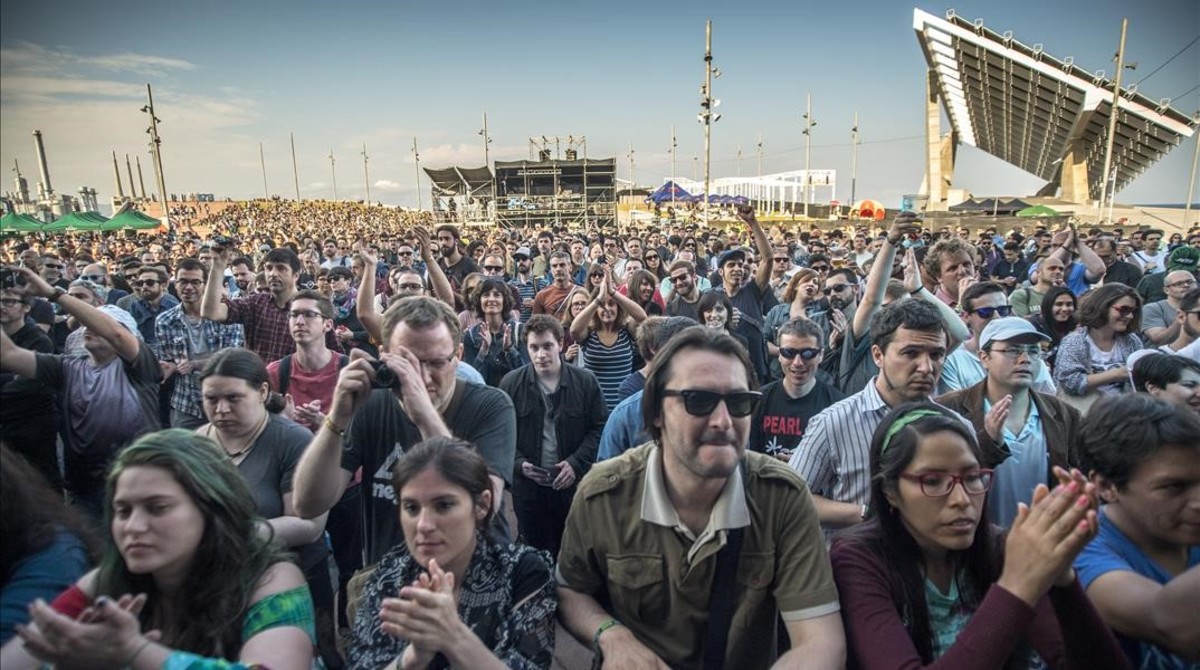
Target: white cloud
(386,185)
(140,63)
(26,57)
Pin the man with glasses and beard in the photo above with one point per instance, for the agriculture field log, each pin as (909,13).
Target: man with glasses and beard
(524,282)
(654,533)
(685,290)
(150,301)
(788,403)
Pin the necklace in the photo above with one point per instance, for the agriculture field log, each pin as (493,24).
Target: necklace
(249,444)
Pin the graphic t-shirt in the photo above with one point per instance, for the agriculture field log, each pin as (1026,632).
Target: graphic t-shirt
(779,420)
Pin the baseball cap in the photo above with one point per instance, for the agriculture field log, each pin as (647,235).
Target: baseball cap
(730,255)
(1184,258)
(523,251)
(1008,328)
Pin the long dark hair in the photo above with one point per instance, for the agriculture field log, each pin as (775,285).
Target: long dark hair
(247,366)
(456,460)
(33,514)
(1053,328)
(229,562)
(886,535)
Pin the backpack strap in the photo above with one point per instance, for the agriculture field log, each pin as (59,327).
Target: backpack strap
(285,374)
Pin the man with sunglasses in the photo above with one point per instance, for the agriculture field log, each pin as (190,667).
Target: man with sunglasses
(149,302)
(52,270)
(1022,432)
(983,303)
(525,285)
(650,531)
(98,274)
(788,403)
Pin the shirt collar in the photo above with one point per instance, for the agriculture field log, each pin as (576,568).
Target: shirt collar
(870,399)
(728,512)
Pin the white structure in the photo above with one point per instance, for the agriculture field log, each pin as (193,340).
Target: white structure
(773,192)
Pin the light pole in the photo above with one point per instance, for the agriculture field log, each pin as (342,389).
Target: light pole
(487,139)
(366,175)
(706,115)
(1187,207)
(853,158)
(1114,112)
(262,161)
(674,150)
(739,160)
(295,172)
(333,172)
(156,153)
(417,164)
(760,154)
(808,126)
(632,182)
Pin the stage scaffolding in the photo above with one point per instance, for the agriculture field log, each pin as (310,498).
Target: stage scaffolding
(556,187)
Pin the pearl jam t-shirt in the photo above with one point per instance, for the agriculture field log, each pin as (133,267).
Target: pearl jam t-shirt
(779,420)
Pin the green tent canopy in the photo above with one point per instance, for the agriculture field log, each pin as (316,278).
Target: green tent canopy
(19,223)
(76,221)
(131,220)
(1036,211)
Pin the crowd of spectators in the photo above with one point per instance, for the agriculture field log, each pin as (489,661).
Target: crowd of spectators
(319,434)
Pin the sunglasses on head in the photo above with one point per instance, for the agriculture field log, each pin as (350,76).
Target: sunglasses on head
(698,402)
(805,353)
(989,312)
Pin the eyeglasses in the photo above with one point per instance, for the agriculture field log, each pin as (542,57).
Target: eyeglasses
(939,485)
(54,266)
(146,282)
(675,279)
(805,353)
(989,312)
(781,259)
(1033,351)
(189,282)
(835,289)
(410,286)
(1124,310)
(10,302)
(306,314)
(438,363)
(1182,283)
(404,253)
(99,279)
(698,402)
(651,258)
(819,268)
(494,268)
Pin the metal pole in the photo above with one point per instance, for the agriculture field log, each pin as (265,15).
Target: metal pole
(760,154)
(333,172)
(1187,207)
(417,164)
(1112,122)
(808,124)
(739,159)
(708,115)
(156,153)
(487,160)
(632,181)
(675,150)
(262,161)
(295,172)
(366,176)
(854,159)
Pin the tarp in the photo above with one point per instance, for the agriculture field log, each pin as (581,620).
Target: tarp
(76,221)
(1036,211)
(19,223)
(1005,206)
(453,181)
(869,209)
(668,192)
(131,219)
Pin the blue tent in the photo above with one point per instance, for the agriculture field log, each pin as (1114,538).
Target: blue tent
(668,192)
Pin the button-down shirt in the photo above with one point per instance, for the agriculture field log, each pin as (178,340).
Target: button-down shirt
(145,315)
(171,329)
(266,326)
(1026,466)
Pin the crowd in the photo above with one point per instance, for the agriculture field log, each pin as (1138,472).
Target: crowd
(323,435)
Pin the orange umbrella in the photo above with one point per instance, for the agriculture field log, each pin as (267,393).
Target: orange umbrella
(869,209)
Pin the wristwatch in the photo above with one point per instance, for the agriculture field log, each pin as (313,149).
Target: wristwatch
(58,293)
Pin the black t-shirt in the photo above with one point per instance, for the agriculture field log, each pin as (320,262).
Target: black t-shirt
(22,398)
(779,420)
(381,431)
(457,272)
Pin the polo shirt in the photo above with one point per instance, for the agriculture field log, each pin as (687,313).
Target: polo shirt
(1027,466)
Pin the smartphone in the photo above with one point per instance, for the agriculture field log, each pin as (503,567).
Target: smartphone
(10,279)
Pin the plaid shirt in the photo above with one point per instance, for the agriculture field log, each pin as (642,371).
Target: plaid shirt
(172,334)
(266,324)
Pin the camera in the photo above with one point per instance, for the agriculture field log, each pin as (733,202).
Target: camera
(224,241)
(10,279)
(385,378)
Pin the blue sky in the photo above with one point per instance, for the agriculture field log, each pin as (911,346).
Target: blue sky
(228,75)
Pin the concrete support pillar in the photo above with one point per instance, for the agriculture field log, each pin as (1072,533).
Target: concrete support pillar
(1073,176)
(934,185)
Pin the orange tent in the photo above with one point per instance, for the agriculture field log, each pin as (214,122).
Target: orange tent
(869,209)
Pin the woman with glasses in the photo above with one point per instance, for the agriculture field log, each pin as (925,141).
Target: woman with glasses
(655,265)
(926,582)
(1056,319)
(801,299)
(577,301)
(605,330)
(1091,360)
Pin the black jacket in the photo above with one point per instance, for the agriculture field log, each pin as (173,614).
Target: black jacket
(579,416)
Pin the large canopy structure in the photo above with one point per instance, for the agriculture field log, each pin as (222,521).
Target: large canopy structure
(76,221)
(1044,115)
(452,181)
(131,219)
(13,224)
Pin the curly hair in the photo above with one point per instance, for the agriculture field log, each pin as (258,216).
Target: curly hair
(486,286)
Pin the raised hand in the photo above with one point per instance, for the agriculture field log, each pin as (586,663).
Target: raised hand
(993,423)
(1046,537)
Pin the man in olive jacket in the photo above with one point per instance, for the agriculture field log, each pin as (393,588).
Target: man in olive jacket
(560,416)
(1022,433)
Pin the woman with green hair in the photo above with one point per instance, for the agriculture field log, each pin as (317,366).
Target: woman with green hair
(191,577)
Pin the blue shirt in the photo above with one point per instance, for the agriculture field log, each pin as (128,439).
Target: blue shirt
(623,430)
(1111,551)
(1026,466)
(964,370)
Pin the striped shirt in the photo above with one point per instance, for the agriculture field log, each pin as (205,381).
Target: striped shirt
(834,456)
(611,365)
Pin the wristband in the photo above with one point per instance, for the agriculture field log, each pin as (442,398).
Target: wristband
(328,423)
(892,242)
(862,515)
(136,653)
(608,623)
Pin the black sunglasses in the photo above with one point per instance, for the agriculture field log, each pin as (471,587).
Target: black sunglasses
(698,402)
(988,312)
(806,353)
